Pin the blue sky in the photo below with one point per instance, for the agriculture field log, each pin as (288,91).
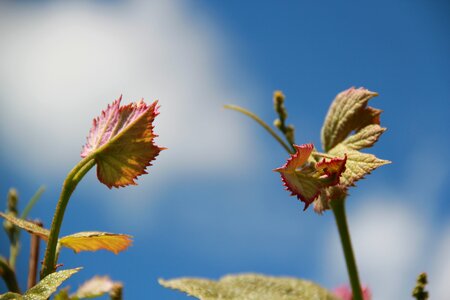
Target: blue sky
(211,204)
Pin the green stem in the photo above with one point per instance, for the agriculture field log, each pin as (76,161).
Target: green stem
(289,149)
(15,245)
(338,206)
(32,202)
(72,179)
(9,276)
(14,250)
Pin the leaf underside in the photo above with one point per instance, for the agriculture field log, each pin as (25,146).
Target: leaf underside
(28,226)
(249,287)
(81,241)
(94,241)
(122,142)
(364,138)
(349,113)
(44,288)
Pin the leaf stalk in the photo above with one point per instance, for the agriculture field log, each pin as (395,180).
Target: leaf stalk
(289,149)
(70,183)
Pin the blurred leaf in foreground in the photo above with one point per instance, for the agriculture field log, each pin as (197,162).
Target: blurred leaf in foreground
(95,287)
(249,287)
(45,288)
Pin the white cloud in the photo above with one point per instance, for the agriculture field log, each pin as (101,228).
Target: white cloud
(61,63)
(439,275)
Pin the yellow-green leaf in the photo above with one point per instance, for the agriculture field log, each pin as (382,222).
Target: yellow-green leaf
(11,296)
(365,137)
(47,286)
(249,287)
(26,225)
(63,294)
(348,112)
(81,241)
(358,164)
(95,287)
(122,142)
(94,241)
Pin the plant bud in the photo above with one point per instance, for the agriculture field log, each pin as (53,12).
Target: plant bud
(278,102)
(11,209)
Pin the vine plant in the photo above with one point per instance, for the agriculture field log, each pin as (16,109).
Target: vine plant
(320,179)
(121,144)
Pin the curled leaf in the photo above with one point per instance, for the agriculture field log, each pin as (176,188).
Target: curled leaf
(305,179)
(94,241)
(121,141)
(348,112)
(249,287)
(28,226)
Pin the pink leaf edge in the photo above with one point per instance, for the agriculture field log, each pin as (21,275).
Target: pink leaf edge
(328,172)
(116,122)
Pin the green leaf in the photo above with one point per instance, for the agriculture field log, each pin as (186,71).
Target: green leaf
(32,202)
(365,137)
(95,287)
(249,287)
(9,275)
(94,241)
(28,226)
(11,296)
(358,164)
(122,142)
(348,112)
(47,286)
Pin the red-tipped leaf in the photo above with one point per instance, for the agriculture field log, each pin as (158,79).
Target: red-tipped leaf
(306,180)
(121,141)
